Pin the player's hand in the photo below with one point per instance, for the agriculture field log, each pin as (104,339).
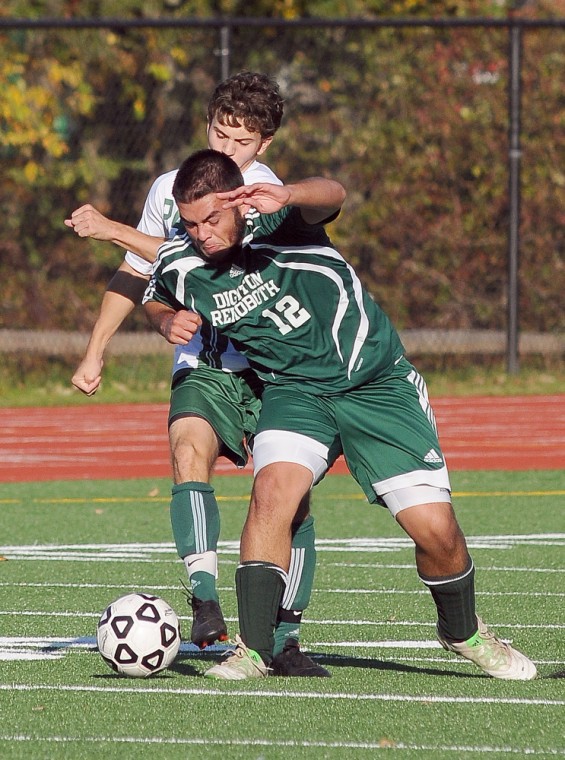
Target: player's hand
(263,196)
(88,376)
(87,221)
(179,328)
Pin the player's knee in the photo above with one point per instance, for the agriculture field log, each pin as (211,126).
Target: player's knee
(280,488)
(445,540)
(191,460)
(194,449)
(427,516)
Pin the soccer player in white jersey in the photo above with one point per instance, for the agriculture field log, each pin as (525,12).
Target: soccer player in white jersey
(336,379)
(214,398)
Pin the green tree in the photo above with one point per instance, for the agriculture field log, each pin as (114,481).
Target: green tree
(413,121)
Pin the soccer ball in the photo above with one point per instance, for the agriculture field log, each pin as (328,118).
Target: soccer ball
(138,635)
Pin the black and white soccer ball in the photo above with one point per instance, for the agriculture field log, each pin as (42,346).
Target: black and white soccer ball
(138,635)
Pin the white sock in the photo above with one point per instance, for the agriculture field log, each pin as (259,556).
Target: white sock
(205,562)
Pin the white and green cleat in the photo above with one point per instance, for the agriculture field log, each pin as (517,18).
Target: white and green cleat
(493,656)
(241,663)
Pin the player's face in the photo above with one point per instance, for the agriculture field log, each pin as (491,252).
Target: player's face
(215,231)
(237,142)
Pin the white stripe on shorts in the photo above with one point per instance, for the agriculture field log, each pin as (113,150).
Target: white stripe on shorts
(438,478)
(420,384)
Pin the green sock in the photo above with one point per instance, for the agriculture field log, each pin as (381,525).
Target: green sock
(195,519)
(203,586)
(259,587)
(454,597)
(286,629)
(299,584)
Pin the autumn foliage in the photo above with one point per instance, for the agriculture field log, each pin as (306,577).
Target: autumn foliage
(412,120)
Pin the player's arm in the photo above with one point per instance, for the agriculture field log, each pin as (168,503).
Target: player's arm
(87,221)
(124,292)
(317,198)
(178,327)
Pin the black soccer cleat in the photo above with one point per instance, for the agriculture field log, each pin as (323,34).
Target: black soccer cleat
(292,662)
(208,624)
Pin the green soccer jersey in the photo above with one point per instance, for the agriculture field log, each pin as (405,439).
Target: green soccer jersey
(296,309)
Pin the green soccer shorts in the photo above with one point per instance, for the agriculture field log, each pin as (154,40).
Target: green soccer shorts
(230,402)
(385,428)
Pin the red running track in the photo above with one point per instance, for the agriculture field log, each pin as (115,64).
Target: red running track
(130,440)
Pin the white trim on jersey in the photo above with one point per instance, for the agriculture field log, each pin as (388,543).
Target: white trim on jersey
(183,267)
(331,253)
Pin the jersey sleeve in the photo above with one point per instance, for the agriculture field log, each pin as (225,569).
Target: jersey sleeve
(286,227)
(258,172)
(158,289)
(153,218)
(166,283)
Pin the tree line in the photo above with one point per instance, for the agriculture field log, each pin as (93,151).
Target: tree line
(413,121)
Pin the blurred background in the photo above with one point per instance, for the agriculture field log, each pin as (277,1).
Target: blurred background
(414,120)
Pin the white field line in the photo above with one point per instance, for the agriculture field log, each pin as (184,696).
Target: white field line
(88,644)
(125,586)
(319,591)
(146,552)
(25,647)
(51,648)
(14,654)
(383,744)
(283,694)
(314,621)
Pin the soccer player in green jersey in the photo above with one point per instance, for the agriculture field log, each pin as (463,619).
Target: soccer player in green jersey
(214,397)
(336,380)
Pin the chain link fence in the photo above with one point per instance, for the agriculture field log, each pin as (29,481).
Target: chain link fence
(414,119)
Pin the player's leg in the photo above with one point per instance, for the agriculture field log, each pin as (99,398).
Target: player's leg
(445,567)
(261,576)
(294,430)
(207,417)
(286,465)
(300,579)
(195,520)
(402,466)
(442,560)
(195,516)
(265,553)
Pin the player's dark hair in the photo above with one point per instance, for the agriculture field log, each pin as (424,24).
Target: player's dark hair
(204,172)
(250,100)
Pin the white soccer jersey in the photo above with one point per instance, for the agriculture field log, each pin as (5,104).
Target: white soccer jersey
(160,215)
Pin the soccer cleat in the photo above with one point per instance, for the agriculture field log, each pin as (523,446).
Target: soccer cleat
(241,663)
(292,662)
(492,655)
(208,624)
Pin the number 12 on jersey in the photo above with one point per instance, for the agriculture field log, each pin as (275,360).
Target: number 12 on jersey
(290,314)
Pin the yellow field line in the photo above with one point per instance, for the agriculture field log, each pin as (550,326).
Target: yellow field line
(353,496)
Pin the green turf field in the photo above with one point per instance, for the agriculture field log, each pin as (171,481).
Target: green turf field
(72,547)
